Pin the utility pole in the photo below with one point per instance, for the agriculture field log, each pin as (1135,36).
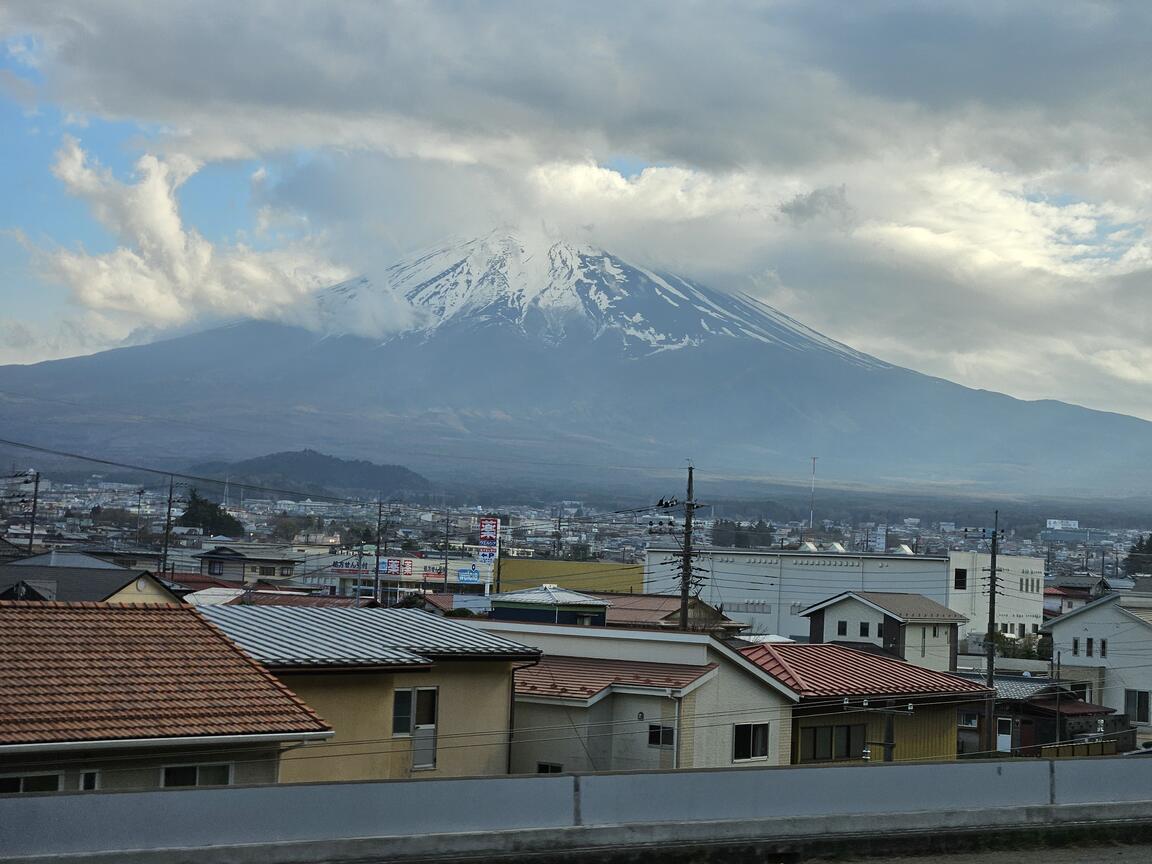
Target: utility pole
(990,637)
(168,526)
(686,564)
(446,591)
(139,517)
(35,502)
(990,648)
(376,572)
(812,500)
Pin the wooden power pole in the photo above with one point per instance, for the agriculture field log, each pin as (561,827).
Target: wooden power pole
(686,563)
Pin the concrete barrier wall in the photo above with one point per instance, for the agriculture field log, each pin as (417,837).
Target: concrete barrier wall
(48,824)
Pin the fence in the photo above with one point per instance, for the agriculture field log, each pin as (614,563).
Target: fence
(650,805)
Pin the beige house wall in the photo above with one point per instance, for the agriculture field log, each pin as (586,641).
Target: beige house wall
(144,590)
(126,769)
(471,734)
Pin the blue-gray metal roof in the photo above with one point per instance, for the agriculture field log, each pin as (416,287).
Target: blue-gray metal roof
(1016,687)
(286,636)
(550,595)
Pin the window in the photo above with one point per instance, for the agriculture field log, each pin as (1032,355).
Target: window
(1036,629)
(661,736)
(960,579)
(1075,646)
(286,571)
(923,641)
(749,741)
(549,768)
(969,719)
(402,712)
(841,628)
(1103,646)
(215,568)
(267,571)
(196,775)
(831,743)
(935,631)
(879,629)
(89,781)
(585,620)
(1089,646)
(1136,706)
(30,783)
(403,716)
(864,628)
(1020,630)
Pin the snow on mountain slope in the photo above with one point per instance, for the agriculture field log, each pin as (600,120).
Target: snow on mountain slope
(552,290)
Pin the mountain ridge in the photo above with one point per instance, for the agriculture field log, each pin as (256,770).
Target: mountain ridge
(486,371)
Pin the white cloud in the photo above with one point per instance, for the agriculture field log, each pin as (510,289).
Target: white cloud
(164,273)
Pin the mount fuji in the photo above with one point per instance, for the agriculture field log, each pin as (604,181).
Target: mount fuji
(509,355)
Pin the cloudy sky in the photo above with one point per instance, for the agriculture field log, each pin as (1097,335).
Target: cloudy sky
(962,188)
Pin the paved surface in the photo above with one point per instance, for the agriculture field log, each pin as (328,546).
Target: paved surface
(1071,855)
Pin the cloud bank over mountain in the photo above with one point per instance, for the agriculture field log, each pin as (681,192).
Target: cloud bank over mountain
(961,188)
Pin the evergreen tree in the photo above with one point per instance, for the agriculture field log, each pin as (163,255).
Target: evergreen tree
(210,516)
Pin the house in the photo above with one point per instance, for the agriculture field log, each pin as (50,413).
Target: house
(550,604)
(906,626)
(64,558)
(247,564)
(608,698)
(1034,712)
(1106,646)
(99,696)
(1057,601)
(407,693)
(851,705)
(78,584)
(616,699)
(663,611)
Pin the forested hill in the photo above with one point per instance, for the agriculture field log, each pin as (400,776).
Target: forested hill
(311,472)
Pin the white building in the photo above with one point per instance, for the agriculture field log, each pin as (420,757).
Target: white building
(1019,600)
(1107,647)
(768,589)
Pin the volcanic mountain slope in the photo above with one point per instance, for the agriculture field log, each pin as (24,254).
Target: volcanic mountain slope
(538,356)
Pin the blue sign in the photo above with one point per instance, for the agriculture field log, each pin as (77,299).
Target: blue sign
(470,574)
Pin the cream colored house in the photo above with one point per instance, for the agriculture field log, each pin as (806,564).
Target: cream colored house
(407,693)
(908,627)
(610,699)
(76,584)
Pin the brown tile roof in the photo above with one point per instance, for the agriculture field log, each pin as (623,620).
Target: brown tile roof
(95,671)
(911,607)
(648,609)
(814,670)
(584,677)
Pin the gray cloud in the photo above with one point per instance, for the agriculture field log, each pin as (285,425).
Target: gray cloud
(996,155)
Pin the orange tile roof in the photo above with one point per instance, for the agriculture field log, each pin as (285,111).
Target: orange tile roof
(96,671)
(584,677)
(814,670)
(282,598)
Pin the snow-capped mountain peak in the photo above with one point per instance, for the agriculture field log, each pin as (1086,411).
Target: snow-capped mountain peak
(554,290)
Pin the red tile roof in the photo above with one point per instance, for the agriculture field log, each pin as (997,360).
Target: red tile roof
(814,670)
(584,677)
(96,671)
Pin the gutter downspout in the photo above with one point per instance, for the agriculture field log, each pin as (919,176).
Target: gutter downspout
(676,700)
(512,712)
